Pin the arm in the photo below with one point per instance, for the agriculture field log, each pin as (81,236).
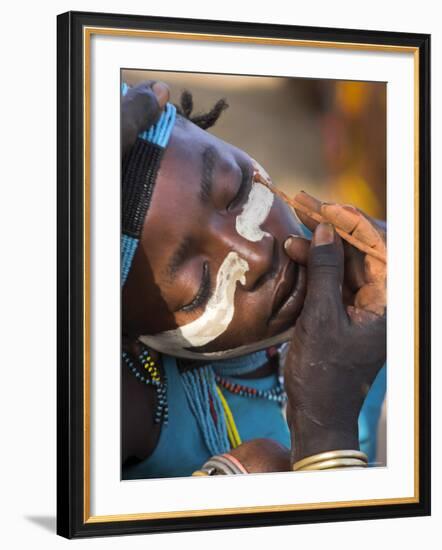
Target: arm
(334,356)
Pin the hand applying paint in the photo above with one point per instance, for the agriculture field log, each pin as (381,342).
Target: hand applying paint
(365,277)
(334,355)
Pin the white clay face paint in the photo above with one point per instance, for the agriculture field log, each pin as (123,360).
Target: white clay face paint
(216,317)
(220,309)
(256,209)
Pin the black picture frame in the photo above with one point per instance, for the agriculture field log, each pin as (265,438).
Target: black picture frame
(72,517)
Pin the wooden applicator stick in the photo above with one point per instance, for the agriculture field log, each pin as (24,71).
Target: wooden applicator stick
(321,219)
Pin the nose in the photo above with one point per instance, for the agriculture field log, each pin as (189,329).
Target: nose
(260,255)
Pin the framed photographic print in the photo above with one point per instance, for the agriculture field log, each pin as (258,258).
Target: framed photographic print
(238,203)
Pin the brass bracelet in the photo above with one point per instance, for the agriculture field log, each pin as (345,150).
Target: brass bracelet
(336,463)
(310,461)
(224,464)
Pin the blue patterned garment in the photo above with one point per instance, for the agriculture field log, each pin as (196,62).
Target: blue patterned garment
(182,447)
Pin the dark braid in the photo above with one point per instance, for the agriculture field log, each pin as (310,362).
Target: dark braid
(186,103)
(204,121)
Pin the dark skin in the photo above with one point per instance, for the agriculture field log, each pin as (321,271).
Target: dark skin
(207,233)
(327,334)
(141,107)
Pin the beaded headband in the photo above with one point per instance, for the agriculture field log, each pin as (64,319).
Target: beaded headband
(139,173)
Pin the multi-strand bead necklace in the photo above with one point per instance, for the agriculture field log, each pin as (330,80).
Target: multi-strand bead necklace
(276,393)
(202,386)
(151,376)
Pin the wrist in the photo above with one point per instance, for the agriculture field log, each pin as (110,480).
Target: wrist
(310,438)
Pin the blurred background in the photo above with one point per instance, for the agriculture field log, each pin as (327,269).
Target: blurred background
(327,137)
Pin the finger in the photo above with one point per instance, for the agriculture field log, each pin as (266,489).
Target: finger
(352,221)
(375,270)
(325,273)
(141,108)
(354,270)
(312,204)
(297,248)
(372,297)
(147,101)
(361,316)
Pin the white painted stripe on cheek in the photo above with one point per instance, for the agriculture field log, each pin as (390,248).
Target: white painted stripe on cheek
(254,213)
(216,317)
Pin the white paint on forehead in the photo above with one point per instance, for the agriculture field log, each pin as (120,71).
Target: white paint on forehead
(220,309)
(256,209)
(254,213)
(216,317)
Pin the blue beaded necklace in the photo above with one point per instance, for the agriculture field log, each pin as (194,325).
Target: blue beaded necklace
(202,395)
(150,375)
(200,385)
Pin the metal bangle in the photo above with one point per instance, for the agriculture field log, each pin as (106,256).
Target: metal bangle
(335,463)
(329,455)
(224,464)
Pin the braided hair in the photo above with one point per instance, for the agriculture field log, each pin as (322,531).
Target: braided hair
(205,120)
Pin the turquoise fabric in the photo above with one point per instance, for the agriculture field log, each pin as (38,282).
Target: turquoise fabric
(258,417)
(369,415)
(181,449)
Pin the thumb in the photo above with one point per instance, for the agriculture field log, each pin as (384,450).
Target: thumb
(325,269)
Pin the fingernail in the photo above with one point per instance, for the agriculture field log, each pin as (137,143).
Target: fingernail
(291,238)
(288,243)
(324,234)
(161,92)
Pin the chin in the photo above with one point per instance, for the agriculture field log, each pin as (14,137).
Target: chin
(239,351)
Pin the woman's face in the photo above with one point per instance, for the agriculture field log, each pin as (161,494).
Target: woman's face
(210,273)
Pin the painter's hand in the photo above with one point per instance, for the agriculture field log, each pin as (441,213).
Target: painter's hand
(333,358)
(364,276)
(140,108)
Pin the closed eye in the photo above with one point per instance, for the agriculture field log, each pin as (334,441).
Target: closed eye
(244,188)
(203,294)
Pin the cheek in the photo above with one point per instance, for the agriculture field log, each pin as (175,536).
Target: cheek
(216,318)
(249,323)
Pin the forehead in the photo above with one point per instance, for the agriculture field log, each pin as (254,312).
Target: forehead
(186,146)
(175,205)
(176,193)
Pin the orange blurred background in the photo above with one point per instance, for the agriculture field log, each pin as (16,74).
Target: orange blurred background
(327,137)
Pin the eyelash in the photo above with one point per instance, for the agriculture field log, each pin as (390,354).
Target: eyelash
(203,294)
(243,188)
